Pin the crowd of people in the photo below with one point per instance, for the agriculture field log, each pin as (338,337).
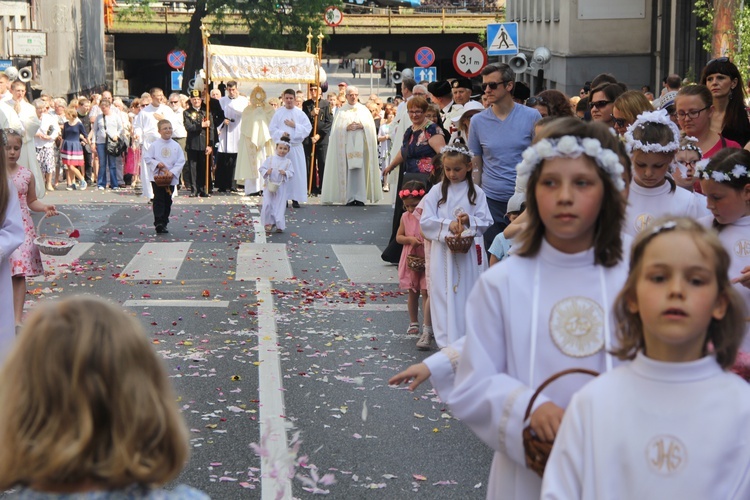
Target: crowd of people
(608,233)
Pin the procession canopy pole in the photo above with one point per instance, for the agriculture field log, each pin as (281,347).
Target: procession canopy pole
(207,97)
(313,164)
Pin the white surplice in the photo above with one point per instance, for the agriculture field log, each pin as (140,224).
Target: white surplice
(229,135)
(647,204)
(297,186)
(11,236)
(273,209)
(507,355)
(145,128)
(452,275)
(652,429)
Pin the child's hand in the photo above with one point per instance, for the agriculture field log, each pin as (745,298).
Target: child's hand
(744,278)
(464,220)
(415,373)
(415,242)
(50,210)
(455,228)
(282,172)
(545,421)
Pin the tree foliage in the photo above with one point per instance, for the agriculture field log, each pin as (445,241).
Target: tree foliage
(724,30)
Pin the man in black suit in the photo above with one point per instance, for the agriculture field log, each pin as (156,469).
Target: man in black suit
(318,136)
(197,125)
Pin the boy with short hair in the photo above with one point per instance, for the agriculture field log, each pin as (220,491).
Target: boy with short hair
(164,154)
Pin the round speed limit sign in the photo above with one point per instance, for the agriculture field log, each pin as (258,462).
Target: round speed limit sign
(469,59)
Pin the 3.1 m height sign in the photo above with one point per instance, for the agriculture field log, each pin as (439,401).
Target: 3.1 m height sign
(469,59)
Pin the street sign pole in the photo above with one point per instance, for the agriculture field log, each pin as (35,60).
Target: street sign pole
(370,78)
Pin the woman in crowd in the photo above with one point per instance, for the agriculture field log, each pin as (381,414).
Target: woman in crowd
(695,110)
(626,109)
(551,103)
(729,117)
(602,101)
(384,141)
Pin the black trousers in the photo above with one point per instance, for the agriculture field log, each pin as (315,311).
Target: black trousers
(196,163)
(225,163)
(320,163)
(162,205)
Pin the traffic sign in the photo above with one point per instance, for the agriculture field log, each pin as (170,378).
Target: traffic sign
(176,80)
(469,59)
(333,16)
(378,64)
(429,74)
(5,64)
(502,39)
(424,57)
(176,59)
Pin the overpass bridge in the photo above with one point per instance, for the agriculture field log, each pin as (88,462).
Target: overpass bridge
(141,43)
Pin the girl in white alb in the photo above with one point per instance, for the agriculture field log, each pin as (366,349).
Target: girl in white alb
(653,140)
(453,207)
(276,170)
(673,423)
(725,180)
(546,308)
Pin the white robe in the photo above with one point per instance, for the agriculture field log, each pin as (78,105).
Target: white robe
(146,130)
(27,124)
(274,204)
(229,135)
(167,152)
(652,429)
(452,276)
(504,360)
(647,204)
(255,146)
(443,365)
(297,188)
(11,236)
(352,170)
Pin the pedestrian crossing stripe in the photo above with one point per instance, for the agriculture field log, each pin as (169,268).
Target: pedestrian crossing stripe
(504,39)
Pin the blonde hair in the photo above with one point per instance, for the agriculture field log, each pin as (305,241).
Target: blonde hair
(631,104)
(725,335)
(84,398)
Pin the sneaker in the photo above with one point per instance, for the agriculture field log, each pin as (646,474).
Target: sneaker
(74,186)
(100,188)
(160,229)
(69,187)
(425,340)
(82,185)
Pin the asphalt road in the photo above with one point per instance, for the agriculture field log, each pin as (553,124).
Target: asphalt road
(310,319)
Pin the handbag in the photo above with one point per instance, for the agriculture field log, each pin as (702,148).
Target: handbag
(114,147)
(537,451)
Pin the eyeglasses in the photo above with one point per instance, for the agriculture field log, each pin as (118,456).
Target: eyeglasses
(688,163)
(493,85)
(599,104)
(620,122)
(174,102)
(536,101)
(681,115)
(415,111)
(143,105)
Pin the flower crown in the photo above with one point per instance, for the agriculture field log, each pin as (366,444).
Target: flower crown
(659,116)
(703,172)
(691,144)
(406,193)
(570,146)
(461,149)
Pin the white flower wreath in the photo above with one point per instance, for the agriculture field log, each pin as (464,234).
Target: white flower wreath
(705,173)
(659,116)
(570,146)
(457,149)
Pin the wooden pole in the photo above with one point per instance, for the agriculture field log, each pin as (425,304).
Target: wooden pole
(319,54)
(207,98)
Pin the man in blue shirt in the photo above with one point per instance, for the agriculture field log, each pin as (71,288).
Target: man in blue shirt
(497,138)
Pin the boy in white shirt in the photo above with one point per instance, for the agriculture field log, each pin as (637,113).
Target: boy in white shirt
(164,154)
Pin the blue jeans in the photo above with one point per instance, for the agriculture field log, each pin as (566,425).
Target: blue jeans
(106,162)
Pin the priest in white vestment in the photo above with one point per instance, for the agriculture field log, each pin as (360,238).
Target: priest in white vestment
(233,104)
(352,172)
(255,141)
(22,117)
(291,121)
(145,129)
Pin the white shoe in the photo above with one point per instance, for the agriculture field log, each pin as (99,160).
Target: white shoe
(425,340)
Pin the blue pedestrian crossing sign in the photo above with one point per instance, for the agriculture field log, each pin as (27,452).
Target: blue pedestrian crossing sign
(502,39)
(428,74)
(176,80)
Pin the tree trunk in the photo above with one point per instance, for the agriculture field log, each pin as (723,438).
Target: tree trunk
(194,49)
(724,39)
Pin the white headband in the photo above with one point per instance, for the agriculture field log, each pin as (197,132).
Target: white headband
(703,172)
(659,116)
(457,149)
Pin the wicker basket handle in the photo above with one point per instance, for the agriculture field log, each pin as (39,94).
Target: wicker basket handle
(39,225)
(552,379)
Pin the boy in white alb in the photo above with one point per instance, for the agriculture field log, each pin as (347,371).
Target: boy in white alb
(164,154)
(276,170)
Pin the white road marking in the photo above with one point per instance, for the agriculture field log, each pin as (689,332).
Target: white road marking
(157,261)
(54,265)
(362,264)
(176,303)
(274,465)
(328,306)
(263,260)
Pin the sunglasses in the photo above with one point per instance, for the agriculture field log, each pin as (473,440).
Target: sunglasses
(174,102)
(493,85)
(718,60)
(536,101)
(620,122)
(599,104)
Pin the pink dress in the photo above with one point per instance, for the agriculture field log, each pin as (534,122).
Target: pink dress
(408,279)
(25,260)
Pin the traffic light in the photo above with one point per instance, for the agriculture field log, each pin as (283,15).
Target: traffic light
(369,61)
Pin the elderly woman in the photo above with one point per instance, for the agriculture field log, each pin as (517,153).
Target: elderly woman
(422,141)
(626,109)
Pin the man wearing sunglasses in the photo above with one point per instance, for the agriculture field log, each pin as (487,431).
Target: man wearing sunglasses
(497,138)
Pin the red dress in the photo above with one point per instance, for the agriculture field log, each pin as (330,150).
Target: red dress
(25,260)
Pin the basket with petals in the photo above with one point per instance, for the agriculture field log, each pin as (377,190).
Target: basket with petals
(163,178)
(415,263)
(54,245)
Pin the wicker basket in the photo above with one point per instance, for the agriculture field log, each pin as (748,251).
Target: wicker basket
(459,244)
(415,263)
(537,451)
(163,178)
(54,245)
(272,187)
